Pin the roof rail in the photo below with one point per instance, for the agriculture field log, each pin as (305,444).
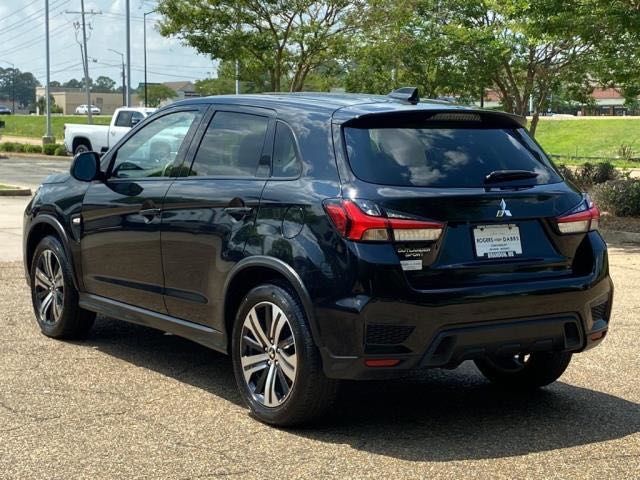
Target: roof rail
(406,95)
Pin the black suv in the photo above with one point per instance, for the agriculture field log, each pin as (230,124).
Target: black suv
(318,237)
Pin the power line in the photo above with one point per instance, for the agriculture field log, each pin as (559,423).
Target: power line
(165,74)
(31,42)
(21,9)
(28,20)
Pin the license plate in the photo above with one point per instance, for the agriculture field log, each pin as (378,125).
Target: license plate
(497,241)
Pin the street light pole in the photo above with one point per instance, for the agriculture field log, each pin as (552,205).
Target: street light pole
(128,16)
(144,28)
(124,82)
(48,136)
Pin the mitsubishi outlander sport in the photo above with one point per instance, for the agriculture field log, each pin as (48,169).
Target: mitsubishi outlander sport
(320,237)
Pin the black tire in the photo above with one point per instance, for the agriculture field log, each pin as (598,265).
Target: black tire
(537,370)
(81,147)
(311,392)
(69,321)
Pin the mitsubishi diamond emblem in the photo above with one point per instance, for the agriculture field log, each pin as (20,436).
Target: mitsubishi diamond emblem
(503,212)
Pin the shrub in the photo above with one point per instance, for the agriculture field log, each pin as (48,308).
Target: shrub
(50,148)
(626,152)
(33,149)
(589,174)
(619,197)
(604,171)
(567,173)
(60,151)
(13,147)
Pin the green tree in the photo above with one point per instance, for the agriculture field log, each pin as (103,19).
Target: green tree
(526,48)
(73,83)
(521,48)
(252,80)
(156,94)
(286,40)
(21,84)
(103,84)
(400,44)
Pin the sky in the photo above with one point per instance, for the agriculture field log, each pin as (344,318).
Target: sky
(22,42)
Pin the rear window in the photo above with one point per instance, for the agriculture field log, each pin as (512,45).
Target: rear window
(443,156)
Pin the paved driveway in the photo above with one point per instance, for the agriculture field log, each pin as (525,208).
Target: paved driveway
(130,402)
(29,172)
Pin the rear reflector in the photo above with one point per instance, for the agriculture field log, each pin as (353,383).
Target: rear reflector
(584,218)
(364,221)
(381,362)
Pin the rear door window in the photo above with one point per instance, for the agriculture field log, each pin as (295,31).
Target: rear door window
(442,156)
(231,146)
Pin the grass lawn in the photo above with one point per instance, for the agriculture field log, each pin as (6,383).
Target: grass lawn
(6,187)
(589,137)
(34,126)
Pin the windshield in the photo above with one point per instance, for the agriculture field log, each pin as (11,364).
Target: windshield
(444,156)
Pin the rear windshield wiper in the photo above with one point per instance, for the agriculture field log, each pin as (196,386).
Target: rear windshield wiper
(506,175)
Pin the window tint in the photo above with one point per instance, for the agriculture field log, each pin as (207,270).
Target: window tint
(231,146)
(443,157)
(124,119)
(286,163)
(151,151)
(136,117)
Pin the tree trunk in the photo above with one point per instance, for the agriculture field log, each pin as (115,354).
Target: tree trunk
(534,123)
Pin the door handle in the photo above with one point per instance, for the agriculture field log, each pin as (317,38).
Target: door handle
(149,213)
(238,212)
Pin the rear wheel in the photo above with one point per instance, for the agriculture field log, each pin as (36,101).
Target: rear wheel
(277,367)
(54,297)
(525,370)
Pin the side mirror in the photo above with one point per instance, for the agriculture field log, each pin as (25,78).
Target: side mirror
(86,166)
(135,121)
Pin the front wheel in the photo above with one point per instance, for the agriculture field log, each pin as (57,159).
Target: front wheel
(276,364)
(525,371)
(55,299)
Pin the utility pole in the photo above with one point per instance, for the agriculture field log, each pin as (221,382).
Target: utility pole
(128,54)
(85,55)
(86,65)
(124,82)
(48,137)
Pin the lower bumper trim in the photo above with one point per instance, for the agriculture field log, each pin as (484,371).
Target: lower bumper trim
(454,345)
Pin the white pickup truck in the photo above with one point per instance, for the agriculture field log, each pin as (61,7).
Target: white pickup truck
(100,138)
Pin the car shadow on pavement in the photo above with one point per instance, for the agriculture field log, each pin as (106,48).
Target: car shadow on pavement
(435,415)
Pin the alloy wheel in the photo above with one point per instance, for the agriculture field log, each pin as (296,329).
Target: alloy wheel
(49,287)
(268,354)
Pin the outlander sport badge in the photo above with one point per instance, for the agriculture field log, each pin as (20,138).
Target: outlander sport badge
(503,212)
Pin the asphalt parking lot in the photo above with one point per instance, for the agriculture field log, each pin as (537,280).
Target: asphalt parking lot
(131,402)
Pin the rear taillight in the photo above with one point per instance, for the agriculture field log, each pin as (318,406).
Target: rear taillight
(362,220)
(583,218)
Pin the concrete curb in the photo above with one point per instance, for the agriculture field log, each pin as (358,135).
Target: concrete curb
(620,236)
(16,192)
(32,155)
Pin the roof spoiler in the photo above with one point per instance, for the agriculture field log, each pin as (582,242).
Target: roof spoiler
(406,95)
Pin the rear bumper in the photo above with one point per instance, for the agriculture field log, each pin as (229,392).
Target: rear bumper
(443,327)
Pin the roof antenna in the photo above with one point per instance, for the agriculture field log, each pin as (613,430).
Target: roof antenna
(406,95)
